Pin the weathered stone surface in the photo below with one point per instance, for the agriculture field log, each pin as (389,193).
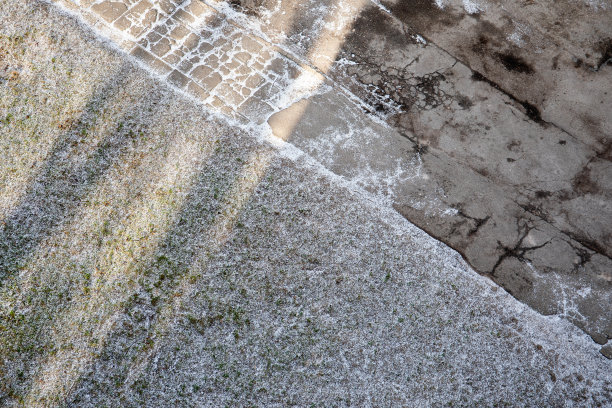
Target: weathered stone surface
(109,10)
(178,79)
(155,63)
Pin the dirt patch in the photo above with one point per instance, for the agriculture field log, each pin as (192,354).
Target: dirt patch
(583,183)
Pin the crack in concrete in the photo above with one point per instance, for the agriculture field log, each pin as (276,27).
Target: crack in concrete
(588,243)
(530,110)
(585,242)
(518,251)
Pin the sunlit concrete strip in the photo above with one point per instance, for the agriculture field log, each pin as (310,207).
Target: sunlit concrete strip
(146,222)
(337,27)
(323,54)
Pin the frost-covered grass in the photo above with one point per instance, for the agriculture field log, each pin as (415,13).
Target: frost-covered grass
(151,255)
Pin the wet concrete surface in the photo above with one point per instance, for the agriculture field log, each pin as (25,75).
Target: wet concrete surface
(486,124)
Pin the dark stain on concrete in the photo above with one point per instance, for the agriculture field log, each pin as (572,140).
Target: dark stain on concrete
(583,184)
(422,13)
(543,194)
(375,22)
(605,48)
(530,110)
(513,63)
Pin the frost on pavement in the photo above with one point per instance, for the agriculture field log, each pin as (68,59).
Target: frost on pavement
(157,253)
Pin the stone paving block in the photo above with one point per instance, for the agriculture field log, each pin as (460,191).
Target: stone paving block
(172,59)
(235,85)
(167,6)
(265,55)
(151,38)
(205,34)
(230,31)
(239,81)
(233,98)
(187,65)
(201,72)
(245,92)
(251,45)
(146,22)
(215,21)
(184,17)
(267,92)
(211,81)
(212,61)
(197,91)
(110,10)
(178,79)
(225,71)
(244,70)
(224,47)
(206,77)
(205,47)
(220,106)
(191,42)
(243,57)
(233,64)
(198,8)
(155,63)
(283,68)
(122,23)
(161,48)
(179,32)
(256,110)
(163,29)
(257,66)
(140,8)
(253,81)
